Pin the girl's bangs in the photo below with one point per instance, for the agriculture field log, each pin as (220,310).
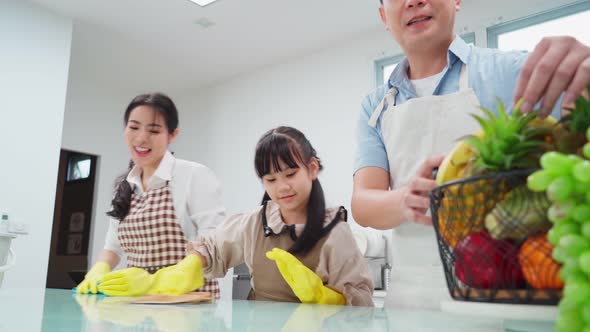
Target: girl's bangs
(271,151)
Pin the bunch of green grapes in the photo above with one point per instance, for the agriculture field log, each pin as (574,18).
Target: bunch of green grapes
(566,179)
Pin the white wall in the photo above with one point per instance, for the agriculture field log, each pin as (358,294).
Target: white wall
(319,94)
(34,61)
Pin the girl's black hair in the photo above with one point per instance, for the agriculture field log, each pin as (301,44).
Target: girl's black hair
(290,146)
(162,104)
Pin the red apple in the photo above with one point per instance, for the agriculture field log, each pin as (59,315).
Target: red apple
(484,262)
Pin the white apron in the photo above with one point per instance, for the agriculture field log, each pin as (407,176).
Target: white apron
(413,131)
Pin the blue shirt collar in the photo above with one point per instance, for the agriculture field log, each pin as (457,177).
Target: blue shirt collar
(458,50)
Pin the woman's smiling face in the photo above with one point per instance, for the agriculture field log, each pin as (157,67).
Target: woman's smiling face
(147,136)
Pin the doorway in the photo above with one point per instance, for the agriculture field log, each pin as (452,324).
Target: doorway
(72,217)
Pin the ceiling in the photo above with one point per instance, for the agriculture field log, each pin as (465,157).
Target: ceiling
(160,38)
(158,45)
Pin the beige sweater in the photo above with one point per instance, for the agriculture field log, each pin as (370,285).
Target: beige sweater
(335,258)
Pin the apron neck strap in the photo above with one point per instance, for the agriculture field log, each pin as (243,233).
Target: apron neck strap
(464,78)
(389,100)
(268,231)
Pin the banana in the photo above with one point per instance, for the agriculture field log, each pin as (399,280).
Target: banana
(455,162)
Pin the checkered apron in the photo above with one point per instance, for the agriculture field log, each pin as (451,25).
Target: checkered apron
(152,238)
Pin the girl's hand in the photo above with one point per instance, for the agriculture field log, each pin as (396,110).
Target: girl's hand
(181,278)
(307,286)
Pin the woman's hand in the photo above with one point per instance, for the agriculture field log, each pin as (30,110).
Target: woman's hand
(131,281)
(91,280)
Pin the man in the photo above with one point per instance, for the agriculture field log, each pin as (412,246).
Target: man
(408,124)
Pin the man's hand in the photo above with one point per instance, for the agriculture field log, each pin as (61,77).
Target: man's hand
(556,65)
(415,201)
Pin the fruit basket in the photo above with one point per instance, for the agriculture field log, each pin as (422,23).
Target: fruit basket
(511,212)
(491,233)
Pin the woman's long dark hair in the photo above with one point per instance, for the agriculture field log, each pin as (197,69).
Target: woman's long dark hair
(290,146)
(162,104)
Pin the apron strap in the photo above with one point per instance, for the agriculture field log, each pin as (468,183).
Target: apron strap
(268,231)
(464,78)
(389,100)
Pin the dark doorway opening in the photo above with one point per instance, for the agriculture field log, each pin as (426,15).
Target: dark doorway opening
(72,218)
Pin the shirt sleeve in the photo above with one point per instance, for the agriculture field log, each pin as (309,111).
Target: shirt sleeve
(343,268)
(223,248)
(112,239)
(370,150)
(204,200)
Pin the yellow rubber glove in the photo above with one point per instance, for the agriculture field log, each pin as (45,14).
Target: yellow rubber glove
(184,277)
(92,278)
(177,279)
(131,281)
(306,285)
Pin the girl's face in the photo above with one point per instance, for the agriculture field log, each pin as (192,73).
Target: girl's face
(147,136)
(291,187)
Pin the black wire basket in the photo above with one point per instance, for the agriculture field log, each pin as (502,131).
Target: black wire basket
(491,234)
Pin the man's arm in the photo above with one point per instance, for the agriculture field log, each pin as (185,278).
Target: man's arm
(374,205)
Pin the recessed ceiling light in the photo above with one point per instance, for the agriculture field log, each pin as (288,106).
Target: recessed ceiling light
(202,3)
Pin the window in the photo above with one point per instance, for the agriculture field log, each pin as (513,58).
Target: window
(78,167)
(525,33)
(384,67)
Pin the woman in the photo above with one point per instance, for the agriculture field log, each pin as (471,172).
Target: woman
(162,202)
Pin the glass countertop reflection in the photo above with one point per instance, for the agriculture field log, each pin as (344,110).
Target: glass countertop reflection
(60,310)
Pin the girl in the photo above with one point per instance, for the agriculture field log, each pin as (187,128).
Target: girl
(162,202)
(295,248)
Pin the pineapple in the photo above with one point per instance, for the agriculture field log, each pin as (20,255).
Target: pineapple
(509,142)
(572,138)
(505,142)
